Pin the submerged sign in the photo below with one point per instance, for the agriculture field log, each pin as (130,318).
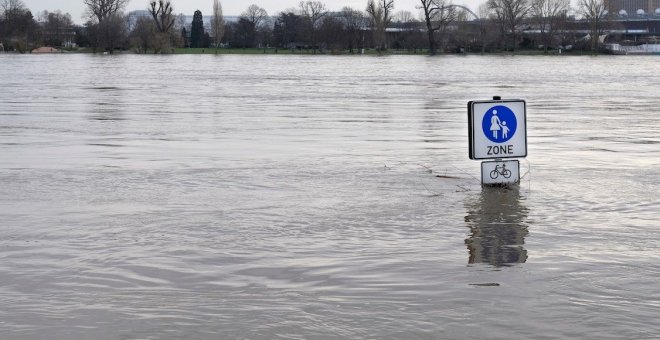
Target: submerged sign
(497,129)
(500,172)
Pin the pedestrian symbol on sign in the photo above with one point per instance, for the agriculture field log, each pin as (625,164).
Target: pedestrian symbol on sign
(499,124)
(497,129)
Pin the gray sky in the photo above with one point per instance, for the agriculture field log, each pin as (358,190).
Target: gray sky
(230,7)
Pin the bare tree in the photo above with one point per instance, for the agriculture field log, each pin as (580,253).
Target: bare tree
(161,12)
(380,13)
(355,23)
(490,37)
(548,15)
(103,9)
(404,17)
(254,26)
(484,11)
(438,14)
(162,15)
(56,26)
(594,11)
(18,29)
(11,11)
(510,14)
(142,35)
(109,26)
(9,8)
(332,33)
(217,24)
(256,15)
(111,32)
(313,11)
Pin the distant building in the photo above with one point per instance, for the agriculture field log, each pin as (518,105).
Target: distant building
(634,8)
(134,16)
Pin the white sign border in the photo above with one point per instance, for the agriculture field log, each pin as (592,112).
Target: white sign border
(472,126)
(506,181)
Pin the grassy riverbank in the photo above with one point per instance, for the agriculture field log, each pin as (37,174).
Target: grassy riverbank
(281,51)
(257,51)
(285,51)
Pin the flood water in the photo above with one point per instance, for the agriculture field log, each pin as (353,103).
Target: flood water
(325,197)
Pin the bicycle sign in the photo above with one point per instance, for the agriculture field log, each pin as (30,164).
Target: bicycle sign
(500,172)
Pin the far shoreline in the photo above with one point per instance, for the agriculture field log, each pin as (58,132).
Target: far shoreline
(303,52)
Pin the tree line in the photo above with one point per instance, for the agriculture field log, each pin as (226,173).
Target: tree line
(440,27)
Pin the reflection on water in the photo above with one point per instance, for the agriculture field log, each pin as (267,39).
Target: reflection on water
(496,219)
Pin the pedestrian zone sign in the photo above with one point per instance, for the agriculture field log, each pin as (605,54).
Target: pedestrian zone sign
(497,129)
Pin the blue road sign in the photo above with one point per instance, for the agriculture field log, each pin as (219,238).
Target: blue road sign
(497,129)
(499,124)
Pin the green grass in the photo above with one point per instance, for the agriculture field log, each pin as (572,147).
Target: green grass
(284,51)
(223,51)
(238,51)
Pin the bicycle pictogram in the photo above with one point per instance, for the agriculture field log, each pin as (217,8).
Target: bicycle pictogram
(500,170)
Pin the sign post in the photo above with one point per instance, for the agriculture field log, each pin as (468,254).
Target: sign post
(497,130)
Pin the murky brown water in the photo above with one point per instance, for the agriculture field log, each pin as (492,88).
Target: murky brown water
(283,197)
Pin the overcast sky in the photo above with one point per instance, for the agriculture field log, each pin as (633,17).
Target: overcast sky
(230,7)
